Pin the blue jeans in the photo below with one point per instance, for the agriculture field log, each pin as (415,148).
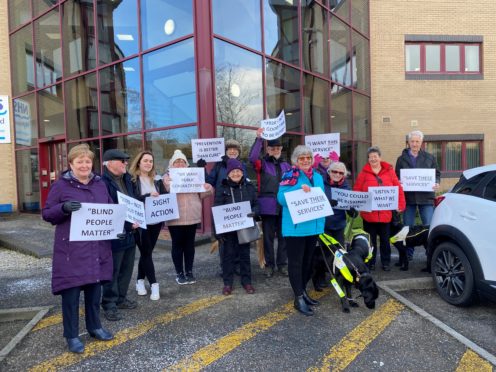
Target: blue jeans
(425,211)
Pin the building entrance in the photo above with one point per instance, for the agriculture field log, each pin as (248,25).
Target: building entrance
(53,161)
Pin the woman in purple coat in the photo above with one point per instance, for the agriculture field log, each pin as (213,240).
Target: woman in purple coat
(78,265)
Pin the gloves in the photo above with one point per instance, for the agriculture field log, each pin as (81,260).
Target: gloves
(333,202)
(352,213)
(251,214)
(71,206)
(316,160)
(201,163)
(121,236)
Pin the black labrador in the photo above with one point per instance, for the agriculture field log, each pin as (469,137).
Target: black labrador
(404,236)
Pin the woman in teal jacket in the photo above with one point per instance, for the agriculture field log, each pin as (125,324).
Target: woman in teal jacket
(301,238)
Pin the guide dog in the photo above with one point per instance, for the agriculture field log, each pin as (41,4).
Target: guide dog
(356,272)
(402,236)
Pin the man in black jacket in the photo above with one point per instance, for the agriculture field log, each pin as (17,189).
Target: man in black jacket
(117,179)
(415,157)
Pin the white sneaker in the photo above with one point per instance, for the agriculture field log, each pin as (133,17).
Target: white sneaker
(155,295)
(140,287)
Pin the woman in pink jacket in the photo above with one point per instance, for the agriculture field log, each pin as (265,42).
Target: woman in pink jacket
(379,173)
(183,229)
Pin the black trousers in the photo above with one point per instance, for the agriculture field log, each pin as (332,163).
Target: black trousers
(233,249)
(146,241)
(183,247)
(70,308)
(382,230)
(319,266)
(300,254)
(115,291)
(271,226)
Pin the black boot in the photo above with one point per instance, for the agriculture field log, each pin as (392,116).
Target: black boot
(309,300)
(302,307)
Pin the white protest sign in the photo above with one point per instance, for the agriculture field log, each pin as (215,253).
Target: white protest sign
(187,180)
(161,208)
(97,222)
(418,179)
(359,200)
(232,217)
(384,198)
(210,150)
(274,128)
(323,144)
(306,206)
(4,119)
(135,209)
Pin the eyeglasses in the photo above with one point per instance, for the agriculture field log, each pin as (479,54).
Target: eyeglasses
(303,158)
(337,172)
(123,161)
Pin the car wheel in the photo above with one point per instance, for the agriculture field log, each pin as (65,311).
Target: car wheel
(453,275)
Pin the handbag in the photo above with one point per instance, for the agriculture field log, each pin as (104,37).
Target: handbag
(249,234)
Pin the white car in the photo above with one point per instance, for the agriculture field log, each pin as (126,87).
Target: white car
(461,250)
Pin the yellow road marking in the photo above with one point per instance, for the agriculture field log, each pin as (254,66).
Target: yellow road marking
(51,320)
(350,346)
(93,348)
(210,353)
(472,362)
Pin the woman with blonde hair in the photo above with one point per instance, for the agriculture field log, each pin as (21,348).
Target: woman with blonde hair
(145,185)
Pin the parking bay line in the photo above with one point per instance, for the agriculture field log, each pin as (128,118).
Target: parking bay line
(52,320)
(351,345)
(125,335)
(211,353)
(470,361)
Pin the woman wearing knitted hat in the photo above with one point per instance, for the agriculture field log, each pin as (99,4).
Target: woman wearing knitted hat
(234,189)
(183,229)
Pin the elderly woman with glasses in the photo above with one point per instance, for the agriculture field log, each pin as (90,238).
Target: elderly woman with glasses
(379,173)
(301,238)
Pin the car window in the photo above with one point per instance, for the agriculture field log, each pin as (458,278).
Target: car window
(490,190)
(465,186)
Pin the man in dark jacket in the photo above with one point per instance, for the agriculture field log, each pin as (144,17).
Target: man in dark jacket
(415,157)
(117,179)
(270,169)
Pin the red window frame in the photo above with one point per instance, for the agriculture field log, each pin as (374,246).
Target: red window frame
(442,51)
(444,143)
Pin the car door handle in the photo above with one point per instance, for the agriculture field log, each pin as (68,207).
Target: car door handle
(468,216)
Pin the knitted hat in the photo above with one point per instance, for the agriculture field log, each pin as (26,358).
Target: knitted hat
(178,154)
(230,144)
(234,164)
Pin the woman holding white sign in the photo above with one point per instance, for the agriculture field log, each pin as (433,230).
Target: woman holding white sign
(378,173)
(301,238)
(145,185)
(183,229)
(78,265)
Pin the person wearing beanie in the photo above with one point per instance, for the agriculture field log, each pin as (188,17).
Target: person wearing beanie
(219,173)
(269,169)
(236,188)
(183,229)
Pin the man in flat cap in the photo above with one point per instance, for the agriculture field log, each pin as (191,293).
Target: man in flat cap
(117,178)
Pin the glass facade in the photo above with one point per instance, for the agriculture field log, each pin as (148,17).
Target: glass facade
(155,74)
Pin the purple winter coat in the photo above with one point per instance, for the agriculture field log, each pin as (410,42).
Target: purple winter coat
(76,263)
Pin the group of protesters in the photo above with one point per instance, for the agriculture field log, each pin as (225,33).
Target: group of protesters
(103,269)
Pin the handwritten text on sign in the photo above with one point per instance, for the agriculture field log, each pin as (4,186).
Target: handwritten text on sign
(323,144)
(384,198)
(161,208)
(232,217)
(135,209)
(361,201)
(306,206)
(274,128)
(418,179)
(210,150)
(97,222)
(187,180)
